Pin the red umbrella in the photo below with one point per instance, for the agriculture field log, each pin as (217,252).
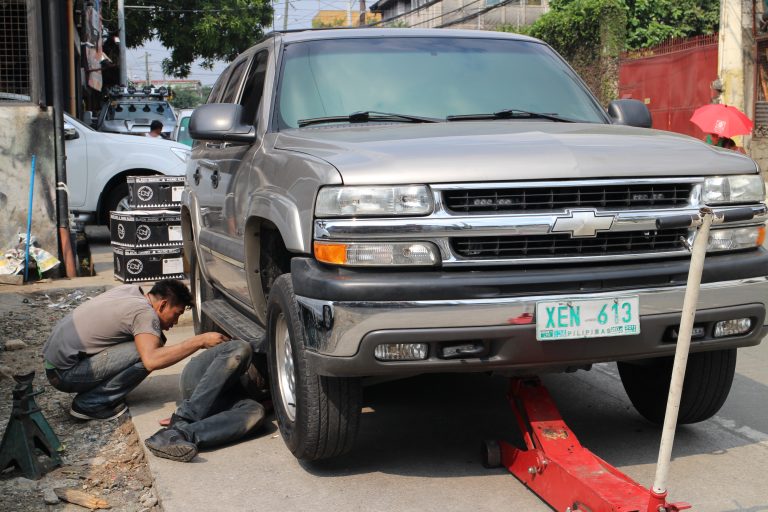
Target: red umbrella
(721,119)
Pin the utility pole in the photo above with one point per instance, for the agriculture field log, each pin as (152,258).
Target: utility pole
(121,30)
(349,13)
(361,23)
(285,15)
(146,67)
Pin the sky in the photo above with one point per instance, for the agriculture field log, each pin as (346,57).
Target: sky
(300,14)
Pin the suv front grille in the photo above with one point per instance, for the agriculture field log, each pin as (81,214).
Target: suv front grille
(617,197)
(562,245)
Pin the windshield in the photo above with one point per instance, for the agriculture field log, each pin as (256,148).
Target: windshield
(431,77)
(145,113)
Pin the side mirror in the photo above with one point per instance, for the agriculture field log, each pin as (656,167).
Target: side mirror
(220,121)
(69,132)
(88,118)
(630,113)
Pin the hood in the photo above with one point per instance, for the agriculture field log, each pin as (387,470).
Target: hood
(124,139)
(507,150)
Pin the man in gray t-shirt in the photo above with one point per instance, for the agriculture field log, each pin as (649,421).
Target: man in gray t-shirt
(108,345)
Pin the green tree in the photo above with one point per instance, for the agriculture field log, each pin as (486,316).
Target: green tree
(208,30)
(186,98)
(651,22)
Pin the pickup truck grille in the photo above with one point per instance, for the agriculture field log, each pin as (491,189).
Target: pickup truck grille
(556,245)
(615,197)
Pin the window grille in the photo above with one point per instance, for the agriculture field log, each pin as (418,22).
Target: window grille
(15,83)
(761,103)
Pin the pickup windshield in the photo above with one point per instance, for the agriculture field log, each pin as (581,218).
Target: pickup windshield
(430,77)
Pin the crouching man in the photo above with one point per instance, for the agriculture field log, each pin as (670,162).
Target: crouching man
(109,344)
(219,388)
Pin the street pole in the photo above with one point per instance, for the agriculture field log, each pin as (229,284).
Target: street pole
(146,67)
(362,13)
(349,13)
(121,29)
(285,15)
(62,200)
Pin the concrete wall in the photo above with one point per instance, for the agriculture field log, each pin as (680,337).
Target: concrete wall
(26,130)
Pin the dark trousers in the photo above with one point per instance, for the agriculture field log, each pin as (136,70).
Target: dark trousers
(101,380)
(215,409)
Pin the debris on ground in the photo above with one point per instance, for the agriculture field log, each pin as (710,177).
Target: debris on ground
(102,460)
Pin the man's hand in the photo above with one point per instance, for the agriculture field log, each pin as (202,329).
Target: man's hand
(211,339)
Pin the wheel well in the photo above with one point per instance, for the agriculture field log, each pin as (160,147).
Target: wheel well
(113,182)
(266,259)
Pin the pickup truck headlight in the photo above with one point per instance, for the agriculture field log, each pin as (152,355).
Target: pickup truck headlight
(181,154)
(733,189)
(373,201)
(732,239)
(377,254)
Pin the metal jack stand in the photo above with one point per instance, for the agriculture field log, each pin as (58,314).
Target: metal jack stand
(26,431)
(555,466)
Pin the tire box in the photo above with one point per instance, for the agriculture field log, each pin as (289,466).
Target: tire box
(132,265)
(145,228)
(155,191)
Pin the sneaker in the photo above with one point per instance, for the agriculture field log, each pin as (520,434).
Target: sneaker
(169,443)
(106,413)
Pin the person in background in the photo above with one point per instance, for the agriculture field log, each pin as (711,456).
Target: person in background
(155,129)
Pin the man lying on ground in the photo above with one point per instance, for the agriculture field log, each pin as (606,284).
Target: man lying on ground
(219,388)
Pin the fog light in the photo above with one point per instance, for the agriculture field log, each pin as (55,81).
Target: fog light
(732,327)
(401,351)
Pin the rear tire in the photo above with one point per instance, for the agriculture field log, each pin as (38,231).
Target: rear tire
(117,200)
(201,291)
(708,379)
(318,416)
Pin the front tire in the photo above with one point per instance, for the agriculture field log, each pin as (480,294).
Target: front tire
(318,416)
(708,379)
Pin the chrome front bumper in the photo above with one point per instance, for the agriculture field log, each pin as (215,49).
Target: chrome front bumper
(340,329)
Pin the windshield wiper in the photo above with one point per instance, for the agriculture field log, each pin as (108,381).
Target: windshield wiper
(367,116)
(510,113)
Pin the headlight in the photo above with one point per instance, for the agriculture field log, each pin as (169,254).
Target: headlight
(377,254)
(735,238)
(181,154)
(734,189)
(373,201)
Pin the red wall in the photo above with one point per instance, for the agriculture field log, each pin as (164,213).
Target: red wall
(673,82)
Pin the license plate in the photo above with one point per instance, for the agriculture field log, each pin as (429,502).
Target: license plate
(588,318)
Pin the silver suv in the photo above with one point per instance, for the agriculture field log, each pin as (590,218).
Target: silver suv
(390,202)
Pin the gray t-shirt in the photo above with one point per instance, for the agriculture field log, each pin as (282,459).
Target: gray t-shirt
(113,317)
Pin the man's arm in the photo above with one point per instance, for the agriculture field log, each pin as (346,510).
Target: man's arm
(156,356)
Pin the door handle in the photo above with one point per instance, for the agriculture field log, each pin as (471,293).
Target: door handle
(196,176)
(215,178)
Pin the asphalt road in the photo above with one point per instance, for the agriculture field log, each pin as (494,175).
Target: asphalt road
(420,438)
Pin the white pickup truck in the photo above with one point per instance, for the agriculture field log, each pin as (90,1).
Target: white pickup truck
(98,163)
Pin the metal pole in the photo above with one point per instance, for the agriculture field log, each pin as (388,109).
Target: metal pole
(121,29)
(361,22)
(71,53)
(349,13)
(285,15)
(62,200)
(698,253)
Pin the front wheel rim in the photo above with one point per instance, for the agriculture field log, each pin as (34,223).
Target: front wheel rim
(123,204)
(286,371)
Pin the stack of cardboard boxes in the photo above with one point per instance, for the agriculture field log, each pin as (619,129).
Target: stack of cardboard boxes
(146,240)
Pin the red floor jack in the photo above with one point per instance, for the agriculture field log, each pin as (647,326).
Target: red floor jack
(555,466)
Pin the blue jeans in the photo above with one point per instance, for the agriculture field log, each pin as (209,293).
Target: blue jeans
(101,380)
(215,409)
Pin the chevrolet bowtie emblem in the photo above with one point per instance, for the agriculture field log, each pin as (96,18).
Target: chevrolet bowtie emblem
(582,223)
